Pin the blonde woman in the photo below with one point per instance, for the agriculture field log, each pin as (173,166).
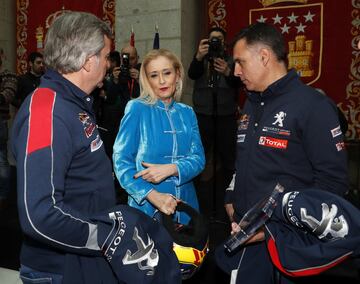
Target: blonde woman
(158,150)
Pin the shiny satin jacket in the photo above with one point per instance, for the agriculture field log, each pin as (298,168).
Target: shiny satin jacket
(158,134)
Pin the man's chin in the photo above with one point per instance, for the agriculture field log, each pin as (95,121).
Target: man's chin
(248,87)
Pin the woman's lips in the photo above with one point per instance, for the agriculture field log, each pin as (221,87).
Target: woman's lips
(164,89)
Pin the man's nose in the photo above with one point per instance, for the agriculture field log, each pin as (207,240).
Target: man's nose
(237,70)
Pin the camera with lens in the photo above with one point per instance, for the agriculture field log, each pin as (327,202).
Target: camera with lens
(125,66)
(216,48)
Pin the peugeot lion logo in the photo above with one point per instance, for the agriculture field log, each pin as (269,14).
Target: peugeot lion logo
(280,116)
(335,227)
(144,252)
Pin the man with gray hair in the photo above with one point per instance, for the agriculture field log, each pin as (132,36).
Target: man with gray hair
(63,173)
(66,197)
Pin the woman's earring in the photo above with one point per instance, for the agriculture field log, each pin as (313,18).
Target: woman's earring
(177,86)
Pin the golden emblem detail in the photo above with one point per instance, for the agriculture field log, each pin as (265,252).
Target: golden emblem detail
(301,56)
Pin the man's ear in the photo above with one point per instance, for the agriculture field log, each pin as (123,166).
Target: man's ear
(89,63)
(265,56)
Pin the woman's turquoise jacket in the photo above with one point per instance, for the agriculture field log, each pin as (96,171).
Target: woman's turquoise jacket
(158,134)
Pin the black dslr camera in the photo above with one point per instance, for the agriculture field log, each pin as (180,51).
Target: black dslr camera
(125,66)
(216,48)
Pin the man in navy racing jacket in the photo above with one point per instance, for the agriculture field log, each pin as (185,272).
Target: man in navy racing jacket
(288,133)
(63,173)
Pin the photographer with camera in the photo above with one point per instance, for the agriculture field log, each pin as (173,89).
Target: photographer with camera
(120,85)
(215,97)
(128,71)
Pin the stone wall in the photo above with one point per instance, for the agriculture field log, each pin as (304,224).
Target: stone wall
(8,32)
(179,28)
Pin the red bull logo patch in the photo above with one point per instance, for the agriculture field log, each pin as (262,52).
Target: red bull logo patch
(244,122)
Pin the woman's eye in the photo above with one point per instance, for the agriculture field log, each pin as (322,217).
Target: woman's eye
(167,72)
(153,76)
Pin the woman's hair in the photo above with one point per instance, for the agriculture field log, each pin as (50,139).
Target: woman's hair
(146,93)
(72,39)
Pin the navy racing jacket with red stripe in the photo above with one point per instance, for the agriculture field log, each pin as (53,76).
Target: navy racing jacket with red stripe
(63,174)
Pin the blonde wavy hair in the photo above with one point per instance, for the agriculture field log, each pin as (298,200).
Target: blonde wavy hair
(146,92)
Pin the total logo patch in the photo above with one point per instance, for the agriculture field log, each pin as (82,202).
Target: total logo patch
(273,142)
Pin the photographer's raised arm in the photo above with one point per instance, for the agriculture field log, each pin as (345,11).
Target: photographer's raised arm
(196,69)
(203,49)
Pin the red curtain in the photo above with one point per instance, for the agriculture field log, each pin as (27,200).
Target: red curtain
(34,17)
(321,38)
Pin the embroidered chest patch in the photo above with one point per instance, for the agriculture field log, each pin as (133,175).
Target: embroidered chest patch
(89,126)
(244,122)
(96,143)
(273,142)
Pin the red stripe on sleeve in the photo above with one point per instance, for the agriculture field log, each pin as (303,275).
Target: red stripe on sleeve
(301,272)
(40,124)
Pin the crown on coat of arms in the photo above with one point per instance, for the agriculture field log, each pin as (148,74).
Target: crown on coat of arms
(266,3)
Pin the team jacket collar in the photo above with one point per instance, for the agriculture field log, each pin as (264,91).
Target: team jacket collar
(56,76)
(275,89)
(54,80)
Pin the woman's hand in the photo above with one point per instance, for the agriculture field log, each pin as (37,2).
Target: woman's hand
(164,202)
(156,173)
